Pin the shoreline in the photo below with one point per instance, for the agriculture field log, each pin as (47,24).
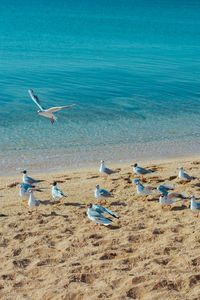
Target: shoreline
(96,164)
(50,161)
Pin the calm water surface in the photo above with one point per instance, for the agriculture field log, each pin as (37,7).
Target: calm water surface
(132,68)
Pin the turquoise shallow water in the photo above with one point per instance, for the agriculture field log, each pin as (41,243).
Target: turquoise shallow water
(132,68)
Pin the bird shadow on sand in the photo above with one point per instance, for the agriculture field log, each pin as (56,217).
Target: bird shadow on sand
(48,202)
(196,185)
(54,214)
(2,215)
(182,207)
(118,204)
(73,204)
(153,200)
(113,227)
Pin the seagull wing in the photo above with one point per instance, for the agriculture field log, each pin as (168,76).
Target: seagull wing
(104,193)
(36,100)
(100,209)
(54,109)
(167,186)
(143,171)
(188,177)
(177,195)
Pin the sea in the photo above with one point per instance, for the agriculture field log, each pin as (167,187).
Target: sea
(131,67)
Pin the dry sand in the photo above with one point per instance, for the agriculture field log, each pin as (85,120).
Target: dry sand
(149,253)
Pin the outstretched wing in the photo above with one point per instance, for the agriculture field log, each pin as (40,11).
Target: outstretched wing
(36,99)
(54,109)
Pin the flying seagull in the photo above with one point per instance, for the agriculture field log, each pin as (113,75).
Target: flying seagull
(48,113)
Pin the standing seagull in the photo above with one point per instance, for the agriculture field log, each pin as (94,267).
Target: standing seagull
(28,180)
(194,205)
(140,171)
(95,214)
(23,192)
(48,113)
(104,170)
(166,199)
(100,193)
(183,175)
(32,202)
(56,193)
(141,189)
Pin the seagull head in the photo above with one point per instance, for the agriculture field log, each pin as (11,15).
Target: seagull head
(24,172)
(90,205)
(102,161)
(135,165)
(136,181)
(54,183)
(180,168)
(97,186)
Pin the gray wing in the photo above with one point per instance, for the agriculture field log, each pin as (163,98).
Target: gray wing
(54,109)
(177,195)
(104,210)
(36,100)
(104,193)
(167,186)
(97,217)
(143,171)
(188,177)
(162,190)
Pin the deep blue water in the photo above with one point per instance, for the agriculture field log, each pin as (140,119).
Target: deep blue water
(132,68)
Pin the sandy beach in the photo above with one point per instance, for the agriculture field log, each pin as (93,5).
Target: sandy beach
(58,253)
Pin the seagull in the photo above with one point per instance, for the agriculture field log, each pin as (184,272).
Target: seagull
(183,175)
(23,192)
(104,210)
(141,189)
(164,191)
(56,193)
(140,171)
(194,205)
(32,201)
(48,113)
(100,193)
(166,199)
(163,188)
(29,180)
(104,170)
(95,213)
